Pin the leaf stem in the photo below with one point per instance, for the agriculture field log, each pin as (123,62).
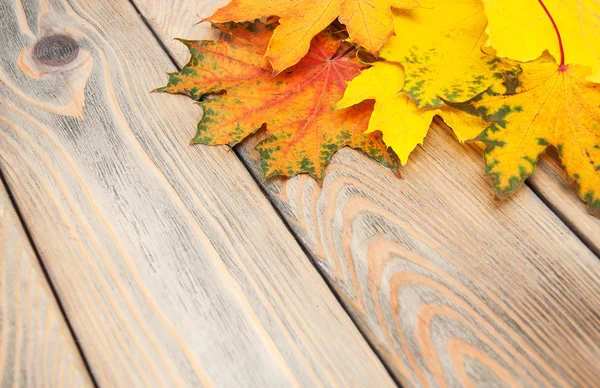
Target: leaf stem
(562,66)
(345,52)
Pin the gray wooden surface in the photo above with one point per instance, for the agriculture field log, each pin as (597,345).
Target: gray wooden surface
(451,287)
(36,346)
(172,266)
(175,270)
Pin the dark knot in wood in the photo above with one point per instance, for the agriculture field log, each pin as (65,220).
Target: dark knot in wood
(55,50)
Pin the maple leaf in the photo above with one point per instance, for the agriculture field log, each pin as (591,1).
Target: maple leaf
(440,49)
(369,23)
(553,105)
(396,115)
(296,106)
(519,29)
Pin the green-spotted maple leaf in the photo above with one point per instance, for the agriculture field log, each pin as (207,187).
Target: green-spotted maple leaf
(303,131)
(440,48)
(519,29)
(549,105)
(396,115)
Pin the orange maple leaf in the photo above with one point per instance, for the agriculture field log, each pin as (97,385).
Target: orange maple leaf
(369,22)
(296,106)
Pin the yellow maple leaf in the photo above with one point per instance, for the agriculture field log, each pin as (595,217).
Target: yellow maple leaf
(369,23)
(520,30)
(396,115)
(440,48)
(553,106)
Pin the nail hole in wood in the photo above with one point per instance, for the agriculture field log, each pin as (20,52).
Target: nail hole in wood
(55,50)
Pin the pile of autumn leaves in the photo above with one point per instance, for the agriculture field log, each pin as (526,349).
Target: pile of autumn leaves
(373,74)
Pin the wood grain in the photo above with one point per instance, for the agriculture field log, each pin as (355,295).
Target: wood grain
(173,267)
(36,346)
(451,287)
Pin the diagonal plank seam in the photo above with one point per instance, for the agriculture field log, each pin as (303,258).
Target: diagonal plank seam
(306,251)
(59,302)
(565,220)
(320,272)
(550,205)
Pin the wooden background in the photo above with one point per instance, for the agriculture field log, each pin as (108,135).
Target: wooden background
(173,267)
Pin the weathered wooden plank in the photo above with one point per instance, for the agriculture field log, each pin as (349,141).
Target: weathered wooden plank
(36,345)
(452,287)
(549,183)
(173,267)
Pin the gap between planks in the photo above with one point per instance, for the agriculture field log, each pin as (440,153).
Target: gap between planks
(19,254)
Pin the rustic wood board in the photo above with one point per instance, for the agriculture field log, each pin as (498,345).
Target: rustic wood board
(452,287)
(172,266)
(36,345)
